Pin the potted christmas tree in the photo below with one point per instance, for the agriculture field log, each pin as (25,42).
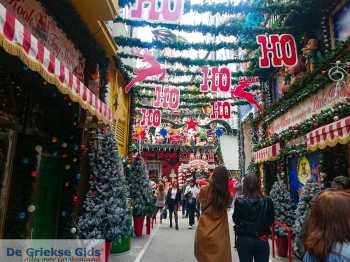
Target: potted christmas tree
(105,213)
(311,190)
(284,213)
(139,190)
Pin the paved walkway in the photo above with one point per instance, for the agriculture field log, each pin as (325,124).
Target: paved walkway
(167,245)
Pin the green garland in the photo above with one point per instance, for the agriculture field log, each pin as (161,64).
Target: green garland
(223,8)
(172,83)
(178,148)
(135,42)
(191,106)
(325,117)
(139,88)
(234,28)
(186,99)
(308,85)
(179,72)
(189,61)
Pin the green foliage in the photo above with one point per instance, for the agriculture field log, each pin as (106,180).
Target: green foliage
(311,190)
(105,211)
(282,203)
(139,186)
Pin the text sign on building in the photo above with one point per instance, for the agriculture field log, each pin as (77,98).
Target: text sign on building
(153,10)
(323,99)
(277,50)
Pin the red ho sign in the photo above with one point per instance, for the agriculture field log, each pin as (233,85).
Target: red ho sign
(150,117)
(167,97)
(282,49)
(165,12)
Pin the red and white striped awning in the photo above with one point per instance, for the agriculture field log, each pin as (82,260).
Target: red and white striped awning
(267,154)
(329,135)
(17,40)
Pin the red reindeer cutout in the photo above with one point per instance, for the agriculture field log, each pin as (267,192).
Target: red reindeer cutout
(249,97)
(142,74)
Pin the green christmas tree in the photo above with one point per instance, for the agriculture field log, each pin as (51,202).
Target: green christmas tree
(105,214)
(282,203)
(139,187)
(311,190)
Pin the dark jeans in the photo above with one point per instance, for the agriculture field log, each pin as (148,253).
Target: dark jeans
(184,207)
(191,204)
(173,210)
(249,248)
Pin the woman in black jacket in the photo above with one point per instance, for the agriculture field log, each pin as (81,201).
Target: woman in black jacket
(253,217)
(173,201)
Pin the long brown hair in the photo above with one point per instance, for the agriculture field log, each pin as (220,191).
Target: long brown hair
(328,223)
(219,188)
(251,186)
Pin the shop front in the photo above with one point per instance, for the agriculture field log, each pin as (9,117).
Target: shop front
(44,106)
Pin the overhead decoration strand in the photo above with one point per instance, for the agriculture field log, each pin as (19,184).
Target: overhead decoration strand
(233,28)
(135,42)
(189,61)
(222,8)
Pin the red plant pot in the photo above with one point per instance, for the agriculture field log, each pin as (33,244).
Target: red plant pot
(138,225)
(148,225)
(282,246)
(108,247)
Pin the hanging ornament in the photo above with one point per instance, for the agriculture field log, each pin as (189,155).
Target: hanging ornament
(82,148)
(336,118)
(67,167)
(140,132)
(66,184)
(64,145)
(77,176)
(21,215)
(54,140)
(73,230)
(34,173)
(191,124)
(75,199)
(64,213)
(39,149)
(75,159)
(76,148)
(163,132)
(25,161)
(218,132)
(31,208)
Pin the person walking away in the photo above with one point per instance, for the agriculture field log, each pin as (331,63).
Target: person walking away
(191,194)
(160,202)
(253,217)
(212,239)
(184,201)
(173,200)
(327,230)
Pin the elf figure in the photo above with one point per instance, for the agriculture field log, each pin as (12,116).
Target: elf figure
(311,54)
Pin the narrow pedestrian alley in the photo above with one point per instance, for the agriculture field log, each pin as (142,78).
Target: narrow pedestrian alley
(165,244)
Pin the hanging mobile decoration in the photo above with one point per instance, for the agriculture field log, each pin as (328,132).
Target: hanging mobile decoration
(218,132)
(163,132)
(339,74)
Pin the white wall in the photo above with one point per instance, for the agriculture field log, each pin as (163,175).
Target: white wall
(230,151)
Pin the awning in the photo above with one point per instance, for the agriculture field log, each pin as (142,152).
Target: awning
(19,41)
(267,154)
(329,135)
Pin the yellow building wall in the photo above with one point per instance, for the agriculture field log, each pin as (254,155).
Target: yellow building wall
(120,105)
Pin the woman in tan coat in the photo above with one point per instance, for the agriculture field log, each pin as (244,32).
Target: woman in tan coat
(212,241)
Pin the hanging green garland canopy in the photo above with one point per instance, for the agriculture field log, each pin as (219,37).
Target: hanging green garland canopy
(234,28)
(135,42)
(222,8)
(189,61)
(191,106)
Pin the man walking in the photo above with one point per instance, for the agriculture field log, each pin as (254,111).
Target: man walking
(191,194)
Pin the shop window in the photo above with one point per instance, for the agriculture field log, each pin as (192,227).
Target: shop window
(340,23)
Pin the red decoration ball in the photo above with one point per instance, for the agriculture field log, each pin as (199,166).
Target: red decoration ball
(34,173)
(82,147)
(324,72)
(336,118)
(315,125)
(75,199)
